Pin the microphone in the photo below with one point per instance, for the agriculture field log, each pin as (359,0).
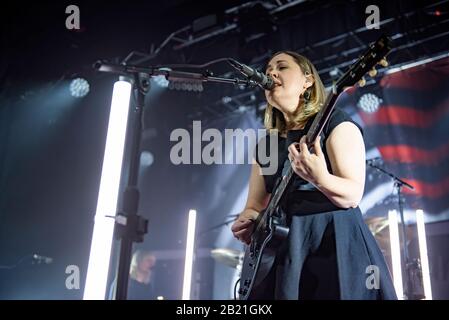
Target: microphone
(262,80)
(42,259)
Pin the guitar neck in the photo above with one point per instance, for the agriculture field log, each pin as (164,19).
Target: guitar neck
(321,118)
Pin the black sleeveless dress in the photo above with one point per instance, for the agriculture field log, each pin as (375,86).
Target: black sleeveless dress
(330,253)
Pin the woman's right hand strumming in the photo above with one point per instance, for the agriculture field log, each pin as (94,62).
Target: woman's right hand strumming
(244,225)
(256,202)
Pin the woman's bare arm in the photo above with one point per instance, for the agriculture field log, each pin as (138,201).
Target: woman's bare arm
(257,200)
(346,151)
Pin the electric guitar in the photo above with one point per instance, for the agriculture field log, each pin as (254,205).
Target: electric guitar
(270,228)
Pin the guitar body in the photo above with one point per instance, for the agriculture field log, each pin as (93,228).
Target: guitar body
(260,255)
(271,225)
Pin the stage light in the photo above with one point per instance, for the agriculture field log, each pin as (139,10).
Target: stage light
(161,80)
(243,109)
(369,102)
(335,72)
(186,288)
(395,253)
(226,99)
(195,86)
(423,254)
(100,252)
(146,159)
(79,88)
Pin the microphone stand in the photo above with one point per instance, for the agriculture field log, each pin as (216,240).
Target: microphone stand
(409,291)
(127,70)
(130,227)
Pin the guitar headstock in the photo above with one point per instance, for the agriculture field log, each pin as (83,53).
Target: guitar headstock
(366,63)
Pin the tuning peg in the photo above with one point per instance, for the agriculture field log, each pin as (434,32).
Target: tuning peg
(383,62)
(362,82)
(372,73)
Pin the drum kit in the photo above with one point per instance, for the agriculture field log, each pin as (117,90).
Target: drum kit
(379,228)
(230,257)
(234,259)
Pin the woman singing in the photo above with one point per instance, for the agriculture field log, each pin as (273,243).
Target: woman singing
(330,252)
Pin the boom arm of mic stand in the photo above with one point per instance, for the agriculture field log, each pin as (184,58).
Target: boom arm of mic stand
(395,178)
(170,75)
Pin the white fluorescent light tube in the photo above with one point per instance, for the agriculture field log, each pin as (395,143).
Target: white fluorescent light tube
(100,250)
(186,288)
(423,254)
(395,253)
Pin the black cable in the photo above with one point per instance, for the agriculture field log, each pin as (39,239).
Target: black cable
(235,289)
(193,66)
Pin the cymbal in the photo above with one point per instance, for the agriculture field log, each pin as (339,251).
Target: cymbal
(376,224)
(379,227)
(229,257)
(381,224)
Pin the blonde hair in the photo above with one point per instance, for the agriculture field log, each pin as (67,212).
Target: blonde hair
(274,119)
(138,256)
